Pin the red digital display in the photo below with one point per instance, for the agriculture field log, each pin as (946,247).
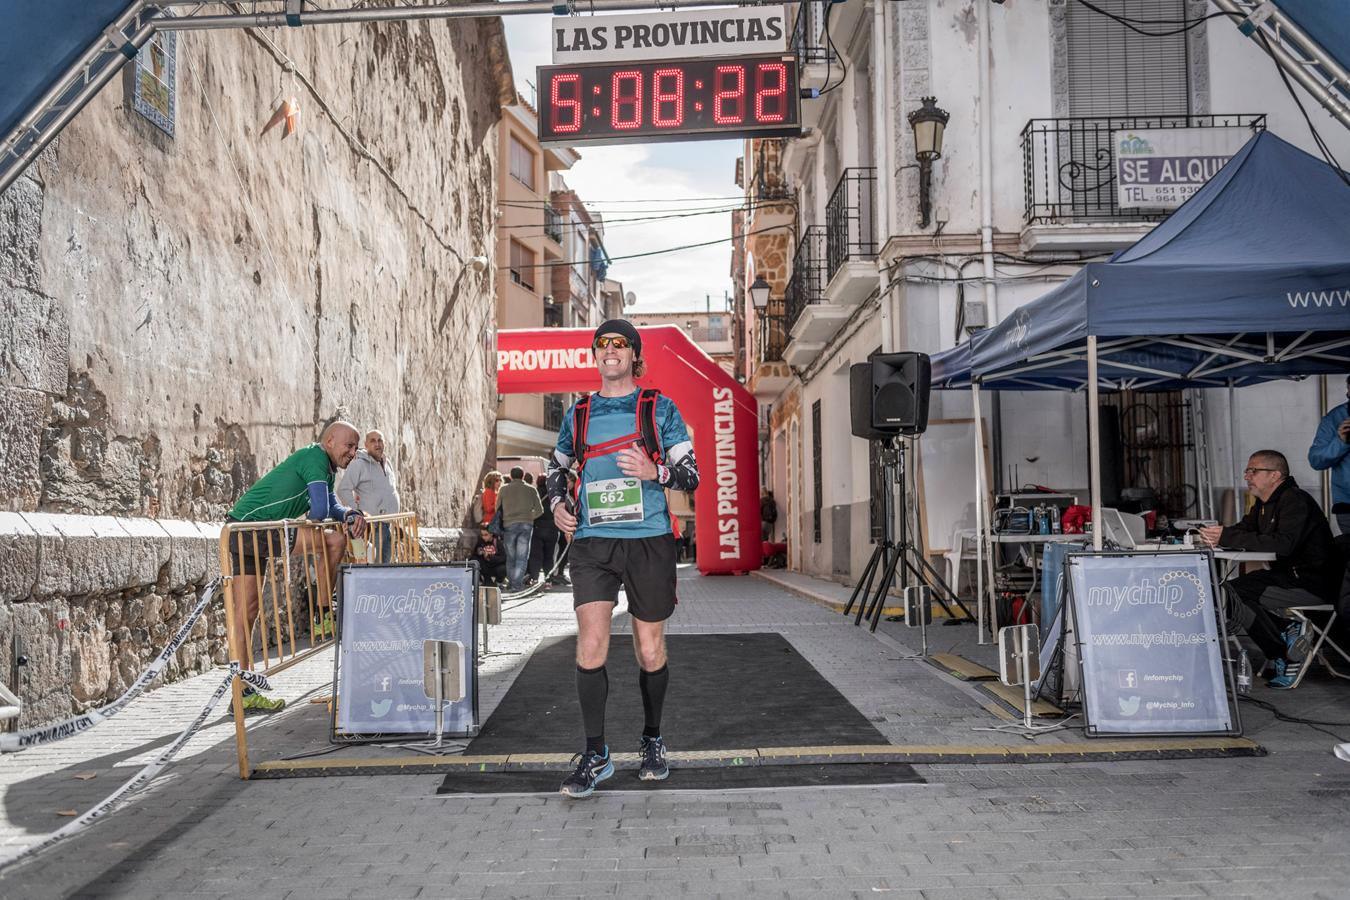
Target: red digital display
(725,97)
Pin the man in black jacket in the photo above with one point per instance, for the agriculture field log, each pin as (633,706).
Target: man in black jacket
(1285,521)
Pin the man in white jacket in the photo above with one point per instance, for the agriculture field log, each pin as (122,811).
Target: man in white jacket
(370,484)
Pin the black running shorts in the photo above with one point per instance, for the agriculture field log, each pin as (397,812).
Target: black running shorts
(644,566)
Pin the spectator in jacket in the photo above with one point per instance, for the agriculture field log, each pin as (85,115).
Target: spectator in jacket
(520,507)
(370,484)
(485,504)
(1331,450)
(544,541)
(1286,521)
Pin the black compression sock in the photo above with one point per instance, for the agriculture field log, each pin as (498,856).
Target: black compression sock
(653,685)
(593,691)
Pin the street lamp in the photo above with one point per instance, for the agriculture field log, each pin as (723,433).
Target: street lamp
(928,122)
(759,293)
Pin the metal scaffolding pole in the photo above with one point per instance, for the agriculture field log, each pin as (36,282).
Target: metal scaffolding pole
(288,14)
(1295,52)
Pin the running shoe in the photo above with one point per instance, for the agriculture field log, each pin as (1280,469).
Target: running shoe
(256,702)
(323,626)
(592,769)
(1295,642)
(653,766)
(1286,673)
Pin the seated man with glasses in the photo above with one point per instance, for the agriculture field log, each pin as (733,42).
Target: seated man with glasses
(1286,521)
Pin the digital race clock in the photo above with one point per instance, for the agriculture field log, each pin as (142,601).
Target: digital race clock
(682,99)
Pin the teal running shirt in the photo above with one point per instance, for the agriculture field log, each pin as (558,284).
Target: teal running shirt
(603,482)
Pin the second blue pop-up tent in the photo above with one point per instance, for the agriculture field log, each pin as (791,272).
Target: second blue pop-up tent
(1248,281)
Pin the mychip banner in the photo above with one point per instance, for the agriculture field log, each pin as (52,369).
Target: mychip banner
(386,615)
(1150,644)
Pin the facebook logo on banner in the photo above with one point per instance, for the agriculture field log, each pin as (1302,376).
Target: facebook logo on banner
(1127,678)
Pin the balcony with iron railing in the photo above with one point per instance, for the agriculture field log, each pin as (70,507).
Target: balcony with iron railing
(806,286)
(810,41)
(772,338)
(553,225)
(850,223)
(1069,167)
(770,373)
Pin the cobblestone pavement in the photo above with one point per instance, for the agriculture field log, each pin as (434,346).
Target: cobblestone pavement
(1238,827)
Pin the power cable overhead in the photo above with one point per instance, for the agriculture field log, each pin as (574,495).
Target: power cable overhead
(677,249)
(1132,23)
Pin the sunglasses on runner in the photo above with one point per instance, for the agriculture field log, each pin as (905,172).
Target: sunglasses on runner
(618,342)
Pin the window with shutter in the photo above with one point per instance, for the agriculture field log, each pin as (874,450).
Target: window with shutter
(1114,71)
(522,163)
(522,265)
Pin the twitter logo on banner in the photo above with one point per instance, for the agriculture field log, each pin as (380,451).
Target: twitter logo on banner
(380,709)
(1128,705)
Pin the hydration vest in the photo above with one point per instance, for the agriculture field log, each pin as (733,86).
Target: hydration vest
(644,433)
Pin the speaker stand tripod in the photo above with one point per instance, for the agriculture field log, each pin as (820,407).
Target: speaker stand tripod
(891,557)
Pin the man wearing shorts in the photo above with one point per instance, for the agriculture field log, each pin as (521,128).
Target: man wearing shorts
(300,485)
(622,537)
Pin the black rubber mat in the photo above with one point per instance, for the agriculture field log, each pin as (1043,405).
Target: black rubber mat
(727,691)
(701,779)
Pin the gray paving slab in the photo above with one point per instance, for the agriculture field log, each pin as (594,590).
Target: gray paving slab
(1210,827)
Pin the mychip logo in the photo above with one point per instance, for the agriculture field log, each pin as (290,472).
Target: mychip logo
(1180,593)
(441,603)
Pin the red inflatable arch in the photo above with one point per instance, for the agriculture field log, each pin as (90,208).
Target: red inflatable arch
(719,411)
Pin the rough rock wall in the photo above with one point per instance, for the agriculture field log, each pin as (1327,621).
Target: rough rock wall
(179,314)
(93,599)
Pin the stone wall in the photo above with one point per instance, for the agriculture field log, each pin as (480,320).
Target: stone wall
(177,314)
(93,599)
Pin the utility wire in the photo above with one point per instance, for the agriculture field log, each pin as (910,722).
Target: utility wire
(589,203)
(1297,720)
(1132,24)
(1322,147)
(586,262)
(637,220)
(833,52)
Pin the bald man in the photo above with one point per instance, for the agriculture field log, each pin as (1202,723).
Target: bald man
(371,485)
(300,486)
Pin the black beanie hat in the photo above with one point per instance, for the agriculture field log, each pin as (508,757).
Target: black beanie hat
(623,327)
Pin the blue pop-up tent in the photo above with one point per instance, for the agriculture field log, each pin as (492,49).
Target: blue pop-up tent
(1248,281)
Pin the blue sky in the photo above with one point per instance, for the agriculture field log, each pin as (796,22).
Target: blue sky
(663,175)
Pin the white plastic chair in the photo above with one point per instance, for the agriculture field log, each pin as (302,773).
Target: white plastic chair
(962,548)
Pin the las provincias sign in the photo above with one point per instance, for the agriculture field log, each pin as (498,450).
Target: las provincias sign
(738,31)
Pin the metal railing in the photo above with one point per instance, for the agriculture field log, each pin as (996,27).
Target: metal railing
(553,224)
(850,219)
(281,612)
(1069,165)
(773,336)
(807,283)
(809,42)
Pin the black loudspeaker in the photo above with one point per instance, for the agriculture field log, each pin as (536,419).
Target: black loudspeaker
(900,386)
(860,403)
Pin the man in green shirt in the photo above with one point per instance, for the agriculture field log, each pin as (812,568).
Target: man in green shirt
(300,485)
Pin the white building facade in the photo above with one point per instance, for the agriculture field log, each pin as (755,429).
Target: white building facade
(1022,194)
